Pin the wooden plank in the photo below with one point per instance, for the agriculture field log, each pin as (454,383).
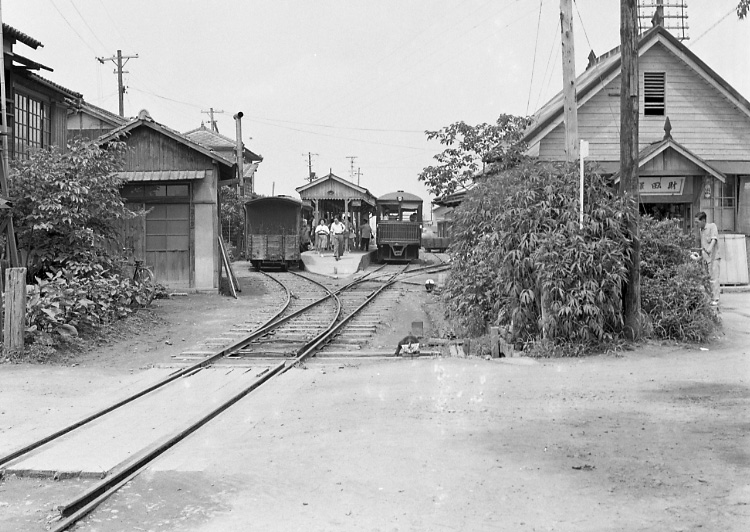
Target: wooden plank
(15,309)
(225,261)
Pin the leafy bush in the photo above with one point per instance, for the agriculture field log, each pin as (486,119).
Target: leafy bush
(675,290)
(521,260)
(85,302)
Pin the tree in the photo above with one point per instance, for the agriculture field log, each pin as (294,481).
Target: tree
(66,205)
(471,150)
(742,8)
(232,215)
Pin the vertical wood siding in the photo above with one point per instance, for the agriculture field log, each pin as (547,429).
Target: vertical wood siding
(150,150)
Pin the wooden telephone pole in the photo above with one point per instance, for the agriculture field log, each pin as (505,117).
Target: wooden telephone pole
(569,81)
(117,60)
(629,157)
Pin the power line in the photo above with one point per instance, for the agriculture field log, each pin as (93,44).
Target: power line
(71,26)
(731,11)
(533,64)
(104,46)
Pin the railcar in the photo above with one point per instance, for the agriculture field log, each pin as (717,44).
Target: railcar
(273,231)
(440,241)
(398,231)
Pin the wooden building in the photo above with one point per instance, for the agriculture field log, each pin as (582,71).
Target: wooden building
(91,122)
(332,195)
(37,108)
(227,148)
(694,133)
(177,181)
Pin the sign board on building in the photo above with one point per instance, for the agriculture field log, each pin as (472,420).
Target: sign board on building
(661,185)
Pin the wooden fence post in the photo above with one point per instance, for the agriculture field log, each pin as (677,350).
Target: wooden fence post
(15,310)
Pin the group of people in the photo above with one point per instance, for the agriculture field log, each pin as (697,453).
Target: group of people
(342,236)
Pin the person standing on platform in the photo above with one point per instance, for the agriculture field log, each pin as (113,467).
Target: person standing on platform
(365,233)
(710,253)
(353,234)
(321,236)
(345,221)
(337,230)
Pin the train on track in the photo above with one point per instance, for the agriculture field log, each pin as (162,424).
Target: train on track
(273,231)
(398,232)
(440,241)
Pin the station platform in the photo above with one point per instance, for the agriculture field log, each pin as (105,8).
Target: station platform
(349,263)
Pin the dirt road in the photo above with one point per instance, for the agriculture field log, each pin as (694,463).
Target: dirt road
(654,439)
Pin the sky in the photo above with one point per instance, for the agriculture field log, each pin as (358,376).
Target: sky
(348,84)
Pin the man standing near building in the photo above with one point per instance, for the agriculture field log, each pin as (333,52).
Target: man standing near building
(365,233)
(337,230)
(710,253)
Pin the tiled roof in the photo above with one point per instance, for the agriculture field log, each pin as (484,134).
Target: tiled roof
(217,141)
(53,85)
(20,36)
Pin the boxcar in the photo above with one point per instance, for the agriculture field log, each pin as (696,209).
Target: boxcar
(398,232)
(273,231)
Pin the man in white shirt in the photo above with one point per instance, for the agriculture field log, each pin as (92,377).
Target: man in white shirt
(337,230)
(710,253)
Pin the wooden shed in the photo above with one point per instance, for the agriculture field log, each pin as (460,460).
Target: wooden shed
(176,181)
(332,195)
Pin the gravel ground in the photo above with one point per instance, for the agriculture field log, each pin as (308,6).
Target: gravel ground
(652,439)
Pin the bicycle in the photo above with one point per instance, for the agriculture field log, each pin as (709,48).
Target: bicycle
(143,277)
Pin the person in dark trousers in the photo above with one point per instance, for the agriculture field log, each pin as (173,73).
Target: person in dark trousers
(365,233)
(337,230)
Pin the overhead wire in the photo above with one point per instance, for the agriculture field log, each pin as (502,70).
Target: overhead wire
(533,63)
(730,12)
(597,66)
(104,46)
(71,27)
(555,43)
(354,93)
(444,60)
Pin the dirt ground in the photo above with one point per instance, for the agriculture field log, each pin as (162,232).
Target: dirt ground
(656,438)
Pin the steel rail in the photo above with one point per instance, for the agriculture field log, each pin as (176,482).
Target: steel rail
(86,502)
(166,380)
(82,505)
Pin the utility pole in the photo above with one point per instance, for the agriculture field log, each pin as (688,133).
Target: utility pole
(359,174)
(310,173)
(210,113)
(240,155)
(569,81)
(117,60)
(629,158)
(7,222)
(351,166)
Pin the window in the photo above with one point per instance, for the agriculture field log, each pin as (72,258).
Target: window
(654,93)
(152,193)
(31,128)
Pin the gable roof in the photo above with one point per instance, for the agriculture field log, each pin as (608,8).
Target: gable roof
(332,177)
(216,141)
(144,120)
(657,148)
(607,67)
(102,114)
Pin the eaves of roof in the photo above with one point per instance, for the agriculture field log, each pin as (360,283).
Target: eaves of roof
(51,84)
(596,77)
(101,113)
(20,36)
(145,120)
(333,177)
(214,140)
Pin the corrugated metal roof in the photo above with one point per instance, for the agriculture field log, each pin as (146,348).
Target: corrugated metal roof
(164,175)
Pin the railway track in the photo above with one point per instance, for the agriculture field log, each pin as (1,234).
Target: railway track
(304,318)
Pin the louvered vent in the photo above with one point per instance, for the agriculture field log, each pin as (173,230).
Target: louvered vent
(654,93)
